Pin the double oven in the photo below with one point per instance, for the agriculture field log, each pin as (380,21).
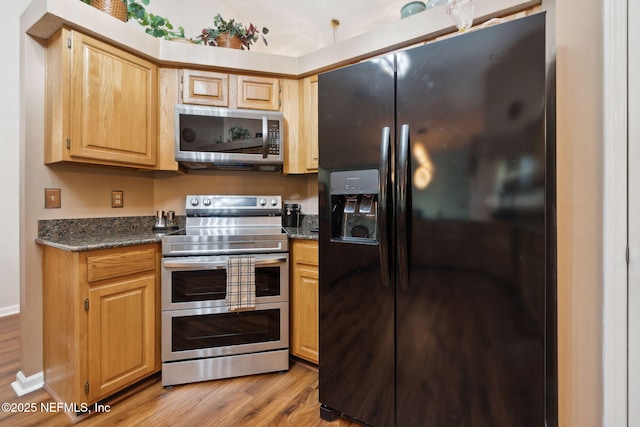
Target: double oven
(202,338)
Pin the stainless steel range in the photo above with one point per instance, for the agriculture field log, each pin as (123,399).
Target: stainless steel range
(203,338)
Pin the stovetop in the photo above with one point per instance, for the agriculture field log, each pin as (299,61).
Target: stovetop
(210,205)
(222,225)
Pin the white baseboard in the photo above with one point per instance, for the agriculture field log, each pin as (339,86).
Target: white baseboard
(23,385)
(8,311)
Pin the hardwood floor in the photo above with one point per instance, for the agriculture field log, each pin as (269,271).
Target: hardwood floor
(277,399)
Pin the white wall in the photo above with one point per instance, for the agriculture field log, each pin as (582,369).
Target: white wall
(9,161)
(580,127)
(634,214)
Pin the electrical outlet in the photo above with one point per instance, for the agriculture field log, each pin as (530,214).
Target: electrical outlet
(117,199)
(52,198)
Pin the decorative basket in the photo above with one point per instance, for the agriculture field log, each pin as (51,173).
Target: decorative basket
(115,8)
(224,40)
(182,40)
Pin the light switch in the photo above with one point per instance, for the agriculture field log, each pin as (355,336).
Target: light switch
(52,198)
(117,199)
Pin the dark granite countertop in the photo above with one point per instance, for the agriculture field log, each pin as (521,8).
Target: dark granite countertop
(301,233)
(85,234)
(89,242)
(308,229)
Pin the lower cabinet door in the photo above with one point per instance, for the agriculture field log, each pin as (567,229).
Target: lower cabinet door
(304,300)
(121,334)
(305,335)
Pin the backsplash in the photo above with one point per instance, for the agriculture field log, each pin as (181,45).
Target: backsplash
(310,221)
(56,228)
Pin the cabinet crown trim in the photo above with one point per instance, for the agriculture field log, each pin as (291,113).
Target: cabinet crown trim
(43,18)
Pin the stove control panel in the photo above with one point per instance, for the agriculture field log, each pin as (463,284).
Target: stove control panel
(220,205)
(273,202)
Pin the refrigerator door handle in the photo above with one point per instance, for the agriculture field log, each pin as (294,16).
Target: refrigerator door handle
(383,223)
(402,246)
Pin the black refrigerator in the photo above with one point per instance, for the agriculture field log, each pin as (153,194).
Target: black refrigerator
(437,234)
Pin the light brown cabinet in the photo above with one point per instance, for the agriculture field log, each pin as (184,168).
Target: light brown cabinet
(205,88)
(258,93)
(304,299)
(101,317)
(100,105)
(309,126)
(169,89)
(230,90)
(302,142)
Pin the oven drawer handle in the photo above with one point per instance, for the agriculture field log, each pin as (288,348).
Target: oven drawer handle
(218,265)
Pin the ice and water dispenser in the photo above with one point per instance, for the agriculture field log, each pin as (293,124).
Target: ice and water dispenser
(354,206)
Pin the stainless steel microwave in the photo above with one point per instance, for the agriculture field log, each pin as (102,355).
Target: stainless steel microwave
(225,138)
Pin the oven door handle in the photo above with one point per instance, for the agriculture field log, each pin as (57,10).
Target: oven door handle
(217,265)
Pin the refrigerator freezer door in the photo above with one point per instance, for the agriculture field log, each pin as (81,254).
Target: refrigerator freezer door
(470,323)
(356,307)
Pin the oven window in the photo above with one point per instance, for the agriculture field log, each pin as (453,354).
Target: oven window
(225,329)
(206,285)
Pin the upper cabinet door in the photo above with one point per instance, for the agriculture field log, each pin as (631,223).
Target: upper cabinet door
(205,88)
(310,122)
(260,93)
(113,104)
(300,107)
(230,90)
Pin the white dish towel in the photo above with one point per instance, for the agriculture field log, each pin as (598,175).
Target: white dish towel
(241,283)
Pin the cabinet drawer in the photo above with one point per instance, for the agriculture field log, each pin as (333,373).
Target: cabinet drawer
(306,253)
(116,264)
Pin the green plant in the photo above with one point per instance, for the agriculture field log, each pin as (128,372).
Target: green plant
(155,25)
(247,35)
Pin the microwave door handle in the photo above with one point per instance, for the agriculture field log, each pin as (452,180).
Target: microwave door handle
(265,139)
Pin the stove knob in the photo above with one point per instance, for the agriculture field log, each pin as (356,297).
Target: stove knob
(206,202)
(274,202)
(263,202)
(194,202)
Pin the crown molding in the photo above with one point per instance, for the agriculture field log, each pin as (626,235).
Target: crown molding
(43,18)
